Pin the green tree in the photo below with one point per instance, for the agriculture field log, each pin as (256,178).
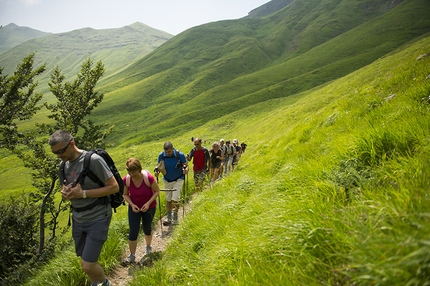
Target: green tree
(75,101)
(18,101)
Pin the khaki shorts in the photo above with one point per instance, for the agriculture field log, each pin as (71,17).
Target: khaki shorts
(173,195)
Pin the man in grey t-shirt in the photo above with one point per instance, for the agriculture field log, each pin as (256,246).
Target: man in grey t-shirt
(91,219)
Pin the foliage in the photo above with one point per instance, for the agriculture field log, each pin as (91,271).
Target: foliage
(333,188)
(65,269)
(75,101)
(17,99)
(339,197)
(289,220)
(18,222)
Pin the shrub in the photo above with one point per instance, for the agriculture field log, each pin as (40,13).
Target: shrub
(19,234)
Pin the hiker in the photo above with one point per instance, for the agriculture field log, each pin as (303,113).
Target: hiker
(90,219)
(140,192)
(201,162)
(237,155)
(243,145)
(217,156)
(223,148)
(175,167)
(230,152)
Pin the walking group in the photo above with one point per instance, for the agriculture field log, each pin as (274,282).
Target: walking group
(92,212)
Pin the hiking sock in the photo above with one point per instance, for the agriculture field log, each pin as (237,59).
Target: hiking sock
(175,217)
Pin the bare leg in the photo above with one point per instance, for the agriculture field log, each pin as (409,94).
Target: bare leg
(94,271)
(132,245)
(148,239)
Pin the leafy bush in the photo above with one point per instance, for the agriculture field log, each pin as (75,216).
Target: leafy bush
(18,222)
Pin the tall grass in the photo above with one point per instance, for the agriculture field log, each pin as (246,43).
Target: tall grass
(339,197)
(332,190)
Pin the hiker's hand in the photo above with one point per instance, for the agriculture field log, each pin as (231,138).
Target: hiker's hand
(156,173)
(145,207)
(135,208)
(66,192)
(185,171)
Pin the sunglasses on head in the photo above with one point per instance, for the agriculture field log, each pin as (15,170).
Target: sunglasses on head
(62,150)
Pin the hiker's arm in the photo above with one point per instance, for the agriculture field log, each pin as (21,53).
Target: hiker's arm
(111,186)
(128,199)
(155,193)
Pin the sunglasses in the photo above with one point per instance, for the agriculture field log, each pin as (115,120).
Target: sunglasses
(62,150)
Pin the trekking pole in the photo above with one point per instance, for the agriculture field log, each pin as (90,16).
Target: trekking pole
(183,199)
(159,207)
(186,187)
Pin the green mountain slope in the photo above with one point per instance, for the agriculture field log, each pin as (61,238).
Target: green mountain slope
(115,47)
(332,189)
(221,67)
(269,8)
(12,35)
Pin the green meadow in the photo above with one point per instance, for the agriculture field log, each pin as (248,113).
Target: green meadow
(333,100)
(332,190)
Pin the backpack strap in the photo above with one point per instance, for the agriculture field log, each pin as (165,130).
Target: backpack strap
(127,181)
(145,178)
(86,171)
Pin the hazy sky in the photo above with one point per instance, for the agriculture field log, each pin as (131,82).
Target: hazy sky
(172,16)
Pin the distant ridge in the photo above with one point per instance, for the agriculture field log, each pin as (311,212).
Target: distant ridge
(116,48)
(268,8)
(12,35)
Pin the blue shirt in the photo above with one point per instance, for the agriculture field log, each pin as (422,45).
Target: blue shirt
(171,163)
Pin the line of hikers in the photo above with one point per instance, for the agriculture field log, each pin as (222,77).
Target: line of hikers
(221,159)
(89,181)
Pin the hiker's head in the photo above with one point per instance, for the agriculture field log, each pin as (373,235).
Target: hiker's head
(198,143)
(221,141)
(60,142)
(215,145)
(227,142)
(133,165)
(168,148)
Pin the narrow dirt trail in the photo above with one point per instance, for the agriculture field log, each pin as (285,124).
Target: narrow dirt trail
(122,275)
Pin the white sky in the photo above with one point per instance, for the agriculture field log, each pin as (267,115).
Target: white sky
(172,16)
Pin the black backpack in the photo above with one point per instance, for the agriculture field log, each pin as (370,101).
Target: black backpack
(115,199)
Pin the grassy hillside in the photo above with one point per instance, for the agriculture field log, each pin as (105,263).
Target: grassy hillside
(269,8)
(115,47)
(219,68)
(12,35)
(332,190)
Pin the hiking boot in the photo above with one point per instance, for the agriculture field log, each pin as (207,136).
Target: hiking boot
(148,250)
(167,221)
(129,259)
(106,283)
(175,218)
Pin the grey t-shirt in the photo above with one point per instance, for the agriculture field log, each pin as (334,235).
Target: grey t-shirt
(98,166)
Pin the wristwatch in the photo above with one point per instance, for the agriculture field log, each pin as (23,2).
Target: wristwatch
(84,194)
